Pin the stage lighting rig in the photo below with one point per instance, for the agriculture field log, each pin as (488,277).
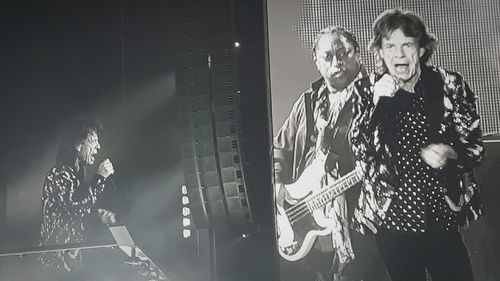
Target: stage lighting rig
(186,213)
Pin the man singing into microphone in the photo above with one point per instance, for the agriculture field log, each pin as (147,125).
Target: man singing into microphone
(67,199)
(417,133)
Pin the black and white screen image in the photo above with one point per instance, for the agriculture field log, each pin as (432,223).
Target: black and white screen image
(321,196)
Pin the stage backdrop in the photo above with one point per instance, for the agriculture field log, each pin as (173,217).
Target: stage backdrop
(468,32)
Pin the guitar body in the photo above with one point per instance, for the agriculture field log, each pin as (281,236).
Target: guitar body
(301,223)
(295,241)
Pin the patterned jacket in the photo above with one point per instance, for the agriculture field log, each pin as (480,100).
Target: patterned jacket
(66,200)
(290,147)
(450,106)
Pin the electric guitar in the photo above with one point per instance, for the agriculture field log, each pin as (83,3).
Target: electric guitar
(301,223)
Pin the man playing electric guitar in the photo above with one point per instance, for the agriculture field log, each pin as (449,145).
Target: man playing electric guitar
(313,167)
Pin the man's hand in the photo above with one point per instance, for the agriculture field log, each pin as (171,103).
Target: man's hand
(282,195)
(105,168)
(436,155)
(309,181)
(387,86)
(106,216)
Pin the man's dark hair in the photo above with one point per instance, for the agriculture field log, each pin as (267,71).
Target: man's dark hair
(411,25)
(335,30)
(73,134)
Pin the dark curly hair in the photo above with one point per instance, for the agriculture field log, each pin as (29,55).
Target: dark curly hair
(412,26)
(74,133)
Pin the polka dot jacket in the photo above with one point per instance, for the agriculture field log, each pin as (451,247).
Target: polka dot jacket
(400,192)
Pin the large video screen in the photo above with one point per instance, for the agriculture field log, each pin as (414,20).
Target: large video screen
(468,36)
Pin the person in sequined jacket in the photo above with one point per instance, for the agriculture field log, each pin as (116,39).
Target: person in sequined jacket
(417,135)
(67,200)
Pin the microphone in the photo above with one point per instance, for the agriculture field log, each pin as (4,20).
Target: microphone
(111,181)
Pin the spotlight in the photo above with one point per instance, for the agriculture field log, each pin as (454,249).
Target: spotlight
(186,213)
(236,44)
(186,222)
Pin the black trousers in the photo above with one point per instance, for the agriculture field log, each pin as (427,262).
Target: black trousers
(316,266)
(407,256)
(319,266)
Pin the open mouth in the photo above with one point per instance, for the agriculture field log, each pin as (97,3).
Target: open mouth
(337,72)
(401,67)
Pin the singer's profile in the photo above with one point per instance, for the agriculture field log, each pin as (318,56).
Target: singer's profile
(67,199)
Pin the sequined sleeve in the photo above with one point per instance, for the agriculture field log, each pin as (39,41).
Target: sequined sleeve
(66,201)
(64,185)
(460,106)
(362,131)
(370,154)
(65,197)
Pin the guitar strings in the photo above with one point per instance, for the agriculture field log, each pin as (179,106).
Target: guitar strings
(301,209)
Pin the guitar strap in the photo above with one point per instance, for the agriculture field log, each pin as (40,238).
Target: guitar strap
(340,150)
(339,157)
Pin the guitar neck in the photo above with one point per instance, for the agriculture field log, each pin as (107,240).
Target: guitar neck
(328,193)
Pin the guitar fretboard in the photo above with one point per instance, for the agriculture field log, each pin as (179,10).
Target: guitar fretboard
(316,201)
(327,194)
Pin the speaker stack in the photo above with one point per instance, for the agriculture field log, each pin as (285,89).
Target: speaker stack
(207,92)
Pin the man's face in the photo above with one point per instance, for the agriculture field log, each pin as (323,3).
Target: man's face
(401,55)
(88,148)
(337,60)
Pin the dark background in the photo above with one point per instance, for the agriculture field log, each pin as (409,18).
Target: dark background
(114,60)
